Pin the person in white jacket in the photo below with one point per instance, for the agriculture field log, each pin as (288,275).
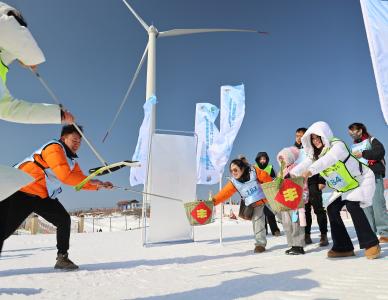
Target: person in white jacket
(355,182)
(294,221)
(17,43)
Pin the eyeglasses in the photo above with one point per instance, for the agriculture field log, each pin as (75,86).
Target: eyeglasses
(234,170)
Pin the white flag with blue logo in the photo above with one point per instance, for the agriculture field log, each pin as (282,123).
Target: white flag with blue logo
(232,115)
(138,175)
(207,132)
(375,13)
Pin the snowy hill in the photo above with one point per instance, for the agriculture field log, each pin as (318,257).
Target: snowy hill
(114,265)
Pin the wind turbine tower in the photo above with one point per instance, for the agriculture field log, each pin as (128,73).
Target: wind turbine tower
(150,51)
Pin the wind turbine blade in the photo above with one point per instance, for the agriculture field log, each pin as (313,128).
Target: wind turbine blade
(127,93)
(144,24)
(176,32)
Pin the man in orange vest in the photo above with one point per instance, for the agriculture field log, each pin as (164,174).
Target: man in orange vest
(52,164)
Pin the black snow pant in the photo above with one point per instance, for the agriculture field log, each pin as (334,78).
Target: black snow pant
(315,201)
(339,235)
(271,220)
(16,208)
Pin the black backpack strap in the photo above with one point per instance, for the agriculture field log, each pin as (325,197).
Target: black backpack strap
(346,159)
(39,164)
(359,163)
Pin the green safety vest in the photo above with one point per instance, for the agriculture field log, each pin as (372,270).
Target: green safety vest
(267,169)
(3,72)
(338,177)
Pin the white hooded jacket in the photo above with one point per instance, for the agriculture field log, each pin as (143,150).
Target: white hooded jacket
(16,42)
(336,151)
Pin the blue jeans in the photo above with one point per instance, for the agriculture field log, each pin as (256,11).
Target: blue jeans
(377,212)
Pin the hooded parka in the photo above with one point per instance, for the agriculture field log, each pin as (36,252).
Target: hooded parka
(17,42)
(334,151)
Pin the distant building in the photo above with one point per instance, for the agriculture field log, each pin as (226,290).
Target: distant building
(126,204)
(123,205)
(134,204)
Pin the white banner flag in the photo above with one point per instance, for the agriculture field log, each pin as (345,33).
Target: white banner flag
(232,115)
(207,131)
(375,14)
(138,175)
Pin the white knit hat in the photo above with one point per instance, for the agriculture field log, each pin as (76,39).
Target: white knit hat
(289,154)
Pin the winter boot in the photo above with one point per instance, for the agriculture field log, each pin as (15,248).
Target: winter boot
(324,241)
(336,254)
(296,251)
(64,263)
(289,250)
(307,239)
(259,249)
(373,252)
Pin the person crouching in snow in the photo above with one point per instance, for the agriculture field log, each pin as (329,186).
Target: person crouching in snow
(247,181)
(294,221)
(54,163)
(331,158)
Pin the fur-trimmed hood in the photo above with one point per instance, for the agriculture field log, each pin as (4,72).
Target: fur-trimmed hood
(321,129)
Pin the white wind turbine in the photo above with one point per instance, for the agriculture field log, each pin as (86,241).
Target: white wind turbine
(153,34)
(150,49)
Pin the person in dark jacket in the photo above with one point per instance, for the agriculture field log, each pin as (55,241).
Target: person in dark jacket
(262,162)
(315,185)
(298,137)
(370,151)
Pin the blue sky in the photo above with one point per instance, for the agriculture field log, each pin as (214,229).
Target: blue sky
(314,65)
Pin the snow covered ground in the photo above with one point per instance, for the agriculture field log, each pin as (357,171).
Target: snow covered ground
(114,265)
